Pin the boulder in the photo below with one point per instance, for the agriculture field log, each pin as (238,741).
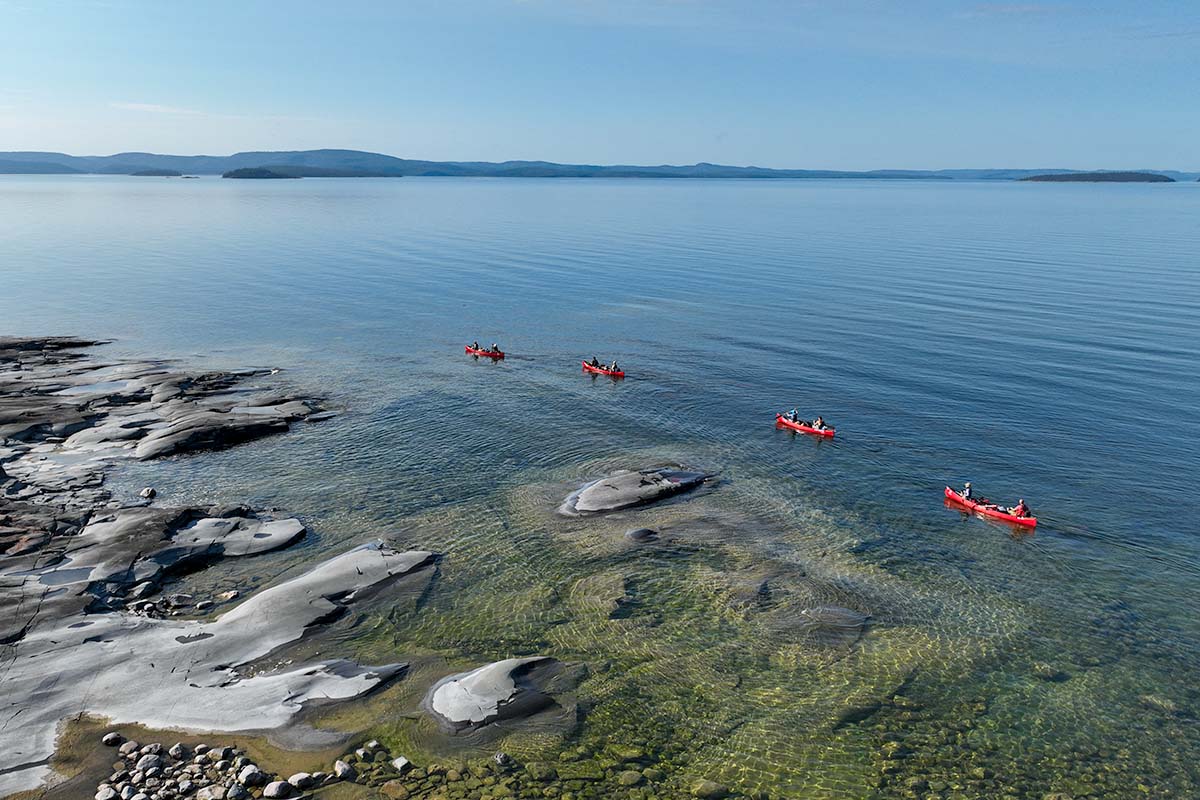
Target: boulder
(251,775)
(278,789)
(148,761)
(709,790)
(502,690)
(302,780)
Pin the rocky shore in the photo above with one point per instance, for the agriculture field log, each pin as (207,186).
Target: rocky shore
(85,628)
(92,629)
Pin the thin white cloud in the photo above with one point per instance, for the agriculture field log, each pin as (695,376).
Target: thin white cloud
(154,108)
(1009,10)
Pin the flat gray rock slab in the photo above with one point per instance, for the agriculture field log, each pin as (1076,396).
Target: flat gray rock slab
(502,690)
(73,560)
(165,673)
(628,489)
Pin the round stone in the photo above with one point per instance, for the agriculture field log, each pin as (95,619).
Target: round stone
(629,778)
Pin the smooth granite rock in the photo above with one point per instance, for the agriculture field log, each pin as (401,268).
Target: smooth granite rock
(80,571)
(503,690)
(186,674)
(627,489)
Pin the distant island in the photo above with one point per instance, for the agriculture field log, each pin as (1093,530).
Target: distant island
(362,164)
(302,171)
(256,172)
(1101,177)
(157,173)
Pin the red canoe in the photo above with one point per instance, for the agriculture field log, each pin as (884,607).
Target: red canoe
(796,426)
(990,510)
(472,351)
(602,371)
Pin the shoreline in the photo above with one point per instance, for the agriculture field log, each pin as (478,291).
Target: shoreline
(82,573)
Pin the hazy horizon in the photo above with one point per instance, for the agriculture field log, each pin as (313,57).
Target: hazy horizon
(813,85)
(417,157)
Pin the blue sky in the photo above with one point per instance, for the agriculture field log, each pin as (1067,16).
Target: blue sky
(853,84)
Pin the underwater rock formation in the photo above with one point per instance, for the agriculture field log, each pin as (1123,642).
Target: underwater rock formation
(642,535)
(832,626)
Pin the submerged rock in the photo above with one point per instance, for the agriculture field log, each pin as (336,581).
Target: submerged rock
(626,489)
(642,535)
(709,790)
(1049,672)
(503,690)
(832,626)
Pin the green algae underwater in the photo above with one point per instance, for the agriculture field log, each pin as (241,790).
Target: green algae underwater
(695,660)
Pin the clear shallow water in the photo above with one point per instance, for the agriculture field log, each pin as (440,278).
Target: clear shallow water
(1040,340)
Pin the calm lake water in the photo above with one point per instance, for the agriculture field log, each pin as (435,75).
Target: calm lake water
(1040,340)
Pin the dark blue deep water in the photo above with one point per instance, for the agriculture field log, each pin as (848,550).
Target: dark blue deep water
(1041,340)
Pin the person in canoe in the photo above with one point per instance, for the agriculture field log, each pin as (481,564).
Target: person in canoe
(792,416)
(966,491)
(495,347)
(1020,509)
(595,362)
(818,423)
(475,345)
(613,367)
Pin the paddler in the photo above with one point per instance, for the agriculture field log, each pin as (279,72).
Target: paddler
(1020,509)
(819,423)
(966,491)
(475,345)
(495,347)
(613,367)
(595,362)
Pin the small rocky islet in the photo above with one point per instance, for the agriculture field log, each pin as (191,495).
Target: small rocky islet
(627,489)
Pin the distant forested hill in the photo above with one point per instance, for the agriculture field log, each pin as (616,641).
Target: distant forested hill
(1102,177)
(8,167)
